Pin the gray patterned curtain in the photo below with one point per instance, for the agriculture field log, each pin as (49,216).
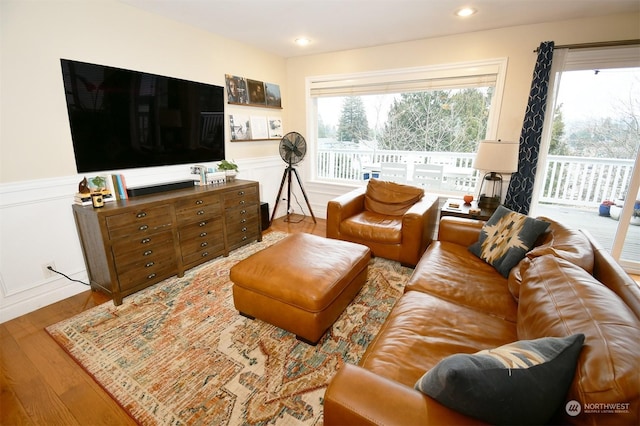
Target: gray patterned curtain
(520,190)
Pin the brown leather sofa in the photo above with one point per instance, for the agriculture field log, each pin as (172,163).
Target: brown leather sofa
(457,303)
(395,221)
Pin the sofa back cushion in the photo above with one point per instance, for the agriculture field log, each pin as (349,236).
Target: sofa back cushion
(390,198)
(558,298)
(559,241)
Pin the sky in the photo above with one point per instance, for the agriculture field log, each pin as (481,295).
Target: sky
(587,94)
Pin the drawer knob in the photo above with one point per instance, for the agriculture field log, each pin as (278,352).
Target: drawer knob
(243,220)
(243,212)
(240,192)
(143,228)
(200,212)
(149,265)
(201,224)
(203,234)
(145,241)
(244,238)
(147,253)
(151,276)
(141,215)
(199,202)
(205,254)
(242,202)
(204,244)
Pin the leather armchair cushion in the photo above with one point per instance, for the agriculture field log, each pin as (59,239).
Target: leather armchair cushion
(390,198)
(558,298)
(370,226)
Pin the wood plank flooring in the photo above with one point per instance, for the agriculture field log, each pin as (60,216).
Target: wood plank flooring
(41,385)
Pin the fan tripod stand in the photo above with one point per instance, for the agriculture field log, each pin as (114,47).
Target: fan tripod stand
(287,176)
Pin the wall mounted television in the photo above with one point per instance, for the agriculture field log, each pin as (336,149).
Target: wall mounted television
(122,119)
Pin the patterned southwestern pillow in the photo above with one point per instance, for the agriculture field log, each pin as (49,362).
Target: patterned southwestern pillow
(523,382)
(506,238)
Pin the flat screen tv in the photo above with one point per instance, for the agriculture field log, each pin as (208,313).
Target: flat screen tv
(122,119)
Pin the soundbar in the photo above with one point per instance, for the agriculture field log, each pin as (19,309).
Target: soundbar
(163,187)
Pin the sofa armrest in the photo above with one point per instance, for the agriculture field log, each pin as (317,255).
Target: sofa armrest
(418,229)
(343,207)
(357,396)
(459,230)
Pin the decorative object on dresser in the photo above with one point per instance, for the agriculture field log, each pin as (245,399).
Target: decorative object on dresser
(131,244)
(230,169)
(495,158)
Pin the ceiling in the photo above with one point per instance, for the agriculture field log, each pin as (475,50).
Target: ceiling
(334,25)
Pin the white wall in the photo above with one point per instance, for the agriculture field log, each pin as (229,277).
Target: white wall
(37,168)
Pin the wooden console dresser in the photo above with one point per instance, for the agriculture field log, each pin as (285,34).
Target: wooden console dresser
(131,244)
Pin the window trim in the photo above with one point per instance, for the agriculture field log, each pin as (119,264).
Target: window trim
(434,77)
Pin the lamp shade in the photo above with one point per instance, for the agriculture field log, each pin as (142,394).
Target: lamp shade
(497,156)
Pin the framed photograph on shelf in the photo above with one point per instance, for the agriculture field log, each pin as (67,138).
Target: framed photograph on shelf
(275,127)
(273,95)
(240,127)
(237,92)
(259,127)
(256,92)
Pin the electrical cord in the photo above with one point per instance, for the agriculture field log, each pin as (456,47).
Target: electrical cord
(304,215)
(67,277)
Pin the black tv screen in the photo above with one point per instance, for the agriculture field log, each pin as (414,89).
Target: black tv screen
(122,119)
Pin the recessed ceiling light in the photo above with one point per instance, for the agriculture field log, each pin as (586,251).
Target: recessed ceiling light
(465,11)
(302,41)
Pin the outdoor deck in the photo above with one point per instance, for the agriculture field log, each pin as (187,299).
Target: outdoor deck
(602,228)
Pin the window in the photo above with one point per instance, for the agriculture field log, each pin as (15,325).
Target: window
(433,116)
(590,148)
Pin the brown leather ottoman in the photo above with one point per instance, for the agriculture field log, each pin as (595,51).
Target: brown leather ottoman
(301,284)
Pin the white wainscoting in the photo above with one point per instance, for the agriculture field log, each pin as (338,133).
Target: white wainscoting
(37,227)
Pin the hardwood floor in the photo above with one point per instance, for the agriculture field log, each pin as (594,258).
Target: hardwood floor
(41,385)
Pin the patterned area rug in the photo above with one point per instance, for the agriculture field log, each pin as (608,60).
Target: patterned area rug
(179,353)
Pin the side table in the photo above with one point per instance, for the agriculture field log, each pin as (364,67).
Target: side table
(462,210)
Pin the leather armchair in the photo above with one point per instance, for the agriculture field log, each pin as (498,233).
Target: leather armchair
(395,221)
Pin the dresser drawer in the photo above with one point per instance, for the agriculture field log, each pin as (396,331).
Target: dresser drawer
(147,272)
(241,197)
(201,229)
(238,235)
(240,215)
(197,208)
(126,252)
(202,249)
(141,222)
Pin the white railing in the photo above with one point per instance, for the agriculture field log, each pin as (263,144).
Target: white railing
(575,181)
(582,181)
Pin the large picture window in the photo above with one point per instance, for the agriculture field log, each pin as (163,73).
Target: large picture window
(410,119)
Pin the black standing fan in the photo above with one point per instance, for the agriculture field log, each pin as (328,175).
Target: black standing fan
(293,147)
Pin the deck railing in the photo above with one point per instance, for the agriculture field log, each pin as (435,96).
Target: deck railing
(573,181)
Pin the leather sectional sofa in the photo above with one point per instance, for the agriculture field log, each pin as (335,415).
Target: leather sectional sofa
(457,303)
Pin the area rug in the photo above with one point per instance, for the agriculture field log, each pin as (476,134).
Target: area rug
(178,353)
